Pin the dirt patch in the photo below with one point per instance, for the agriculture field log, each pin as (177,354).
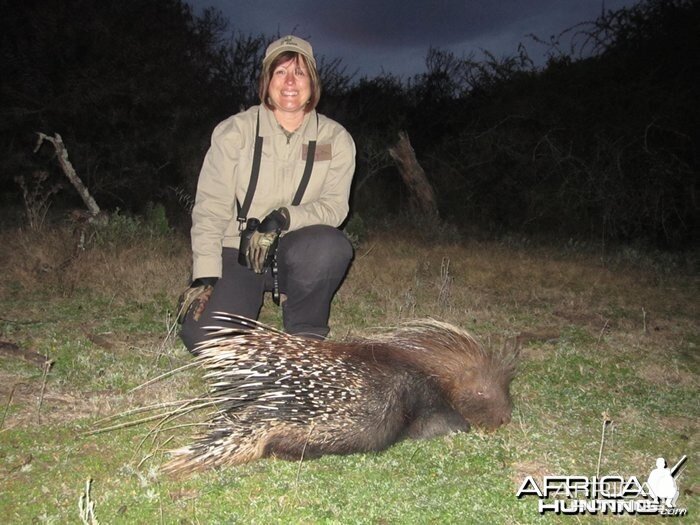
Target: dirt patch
(144,342)
(632,416)
(24,404)
(691,425)
(666,375)
(536,353)
(523,469)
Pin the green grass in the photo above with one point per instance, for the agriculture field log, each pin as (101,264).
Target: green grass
(626,349)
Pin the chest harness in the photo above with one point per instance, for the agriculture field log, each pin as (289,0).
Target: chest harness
(242,217)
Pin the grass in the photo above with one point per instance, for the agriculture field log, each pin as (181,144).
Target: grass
(617,340)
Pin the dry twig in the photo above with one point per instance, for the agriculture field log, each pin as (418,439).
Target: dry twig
(606,422)
(47,367)
(86,507)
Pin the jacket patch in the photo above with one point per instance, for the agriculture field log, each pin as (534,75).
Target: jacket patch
(323,152)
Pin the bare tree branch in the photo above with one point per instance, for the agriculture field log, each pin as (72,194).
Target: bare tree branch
(67,167)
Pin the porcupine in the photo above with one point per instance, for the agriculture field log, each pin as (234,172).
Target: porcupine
(289,397)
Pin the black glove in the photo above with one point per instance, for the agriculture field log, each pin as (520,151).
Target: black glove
(194,299)
(263,242)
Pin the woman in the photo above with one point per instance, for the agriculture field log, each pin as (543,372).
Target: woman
(277,175)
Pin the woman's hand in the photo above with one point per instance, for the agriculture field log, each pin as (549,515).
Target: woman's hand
(263,242)
(194,299)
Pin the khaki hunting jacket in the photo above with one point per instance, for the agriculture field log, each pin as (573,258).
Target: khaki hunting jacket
(226,172)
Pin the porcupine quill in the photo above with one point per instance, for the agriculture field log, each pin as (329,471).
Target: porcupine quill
(280,395)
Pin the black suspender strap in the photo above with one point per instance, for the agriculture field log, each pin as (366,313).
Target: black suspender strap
(310,154)
(255,173)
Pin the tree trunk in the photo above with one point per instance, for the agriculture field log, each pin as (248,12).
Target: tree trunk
(422,201)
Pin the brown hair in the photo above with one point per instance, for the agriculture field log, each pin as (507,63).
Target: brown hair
(269,69)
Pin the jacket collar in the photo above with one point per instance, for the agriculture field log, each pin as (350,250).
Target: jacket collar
(270,127)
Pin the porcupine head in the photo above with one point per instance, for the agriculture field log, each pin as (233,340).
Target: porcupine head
(475,381)
(482,392)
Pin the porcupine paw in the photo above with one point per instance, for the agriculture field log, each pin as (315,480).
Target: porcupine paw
(438,424)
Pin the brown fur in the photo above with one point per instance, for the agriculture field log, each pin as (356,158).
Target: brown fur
(288,397)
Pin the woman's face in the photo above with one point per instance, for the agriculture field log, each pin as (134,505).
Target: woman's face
(290,87)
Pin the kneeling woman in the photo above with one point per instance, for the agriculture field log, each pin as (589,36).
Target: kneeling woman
(277,175)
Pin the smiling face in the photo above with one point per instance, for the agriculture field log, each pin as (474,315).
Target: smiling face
(283,74)
(290,87)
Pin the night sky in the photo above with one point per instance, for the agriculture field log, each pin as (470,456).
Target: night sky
(393,36)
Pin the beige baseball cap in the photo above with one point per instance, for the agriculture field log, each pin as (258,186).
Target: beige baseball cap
(289,43)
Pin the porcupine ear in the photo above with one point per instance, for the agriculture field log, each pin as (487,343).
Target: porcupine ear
(468,376)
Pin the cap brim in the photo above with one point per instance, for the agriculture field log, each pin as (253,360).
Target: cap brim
(282,49)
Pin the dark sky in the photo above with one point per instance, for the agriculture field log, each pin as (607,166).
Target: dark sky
(372,36)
